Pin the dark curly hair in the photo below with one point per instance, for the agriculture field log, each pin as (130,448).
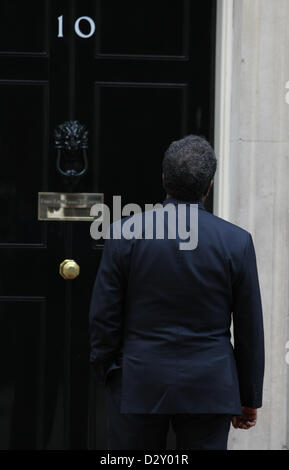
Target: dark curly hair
(189,165)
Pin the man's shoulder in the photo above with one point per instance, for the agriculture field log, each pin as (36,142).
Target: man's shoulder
(227,227)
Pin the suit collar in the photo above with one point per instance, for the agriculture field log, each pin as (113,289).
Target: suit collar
(172,200)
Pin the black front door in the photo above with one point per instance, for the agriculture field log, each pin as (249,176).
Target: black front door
(137,75)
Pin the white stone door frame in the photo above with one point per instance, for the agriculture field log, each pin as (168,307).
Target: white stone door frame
(223,86)
(253,153)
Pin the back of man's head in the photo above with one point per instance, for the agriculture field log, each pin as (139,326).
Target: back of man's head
(189,166)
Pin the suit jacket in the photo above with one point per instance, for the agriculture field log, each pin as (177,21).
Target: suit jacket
(164,316)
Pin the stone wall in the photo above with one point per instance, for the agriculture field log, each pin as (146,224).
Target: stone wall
(251,189)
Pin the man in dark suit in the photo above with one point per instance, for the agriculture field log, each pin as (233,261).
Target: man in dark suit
(160,321)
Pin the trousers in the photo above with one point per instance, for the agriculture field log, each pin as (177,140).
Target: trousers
(149,431)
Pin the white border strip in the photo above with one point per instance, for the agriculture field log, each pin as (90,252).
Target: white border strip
(223,92)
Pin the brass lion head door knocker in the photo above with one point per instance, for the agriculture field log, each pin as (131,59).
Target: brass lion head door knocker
(71,143)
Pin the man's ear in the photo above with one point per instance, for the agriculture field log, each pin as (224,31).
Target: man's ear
(209,188)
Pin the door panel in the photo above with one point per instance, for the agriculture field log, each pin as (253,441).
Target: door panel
(24,27)
(137,29)
(24,145)
(143,78)
(130,145)
(23,342)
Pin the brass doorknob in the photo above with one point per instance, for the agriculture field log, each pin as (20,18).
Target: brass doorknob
(69,269)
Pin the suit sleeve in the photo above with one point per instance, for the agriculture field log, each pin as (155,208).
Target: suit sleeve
(105,313)
(248,330)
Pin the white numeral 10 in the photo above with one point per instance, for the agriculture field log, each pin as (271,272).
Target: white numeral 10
(77,27)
